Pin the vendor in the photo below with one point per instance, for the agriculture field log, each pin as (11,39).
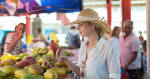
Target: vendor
(13,42)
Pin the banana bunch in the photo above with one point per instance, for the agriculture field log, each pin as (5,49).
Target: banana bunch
(9,56)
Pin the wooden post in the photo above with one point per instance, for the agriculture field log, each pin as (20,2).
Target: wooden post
(126,11)
(27,25)
(148,37)
(109,13)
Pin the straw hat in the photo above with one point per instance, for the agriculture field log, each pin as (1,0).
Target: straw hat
(89,15)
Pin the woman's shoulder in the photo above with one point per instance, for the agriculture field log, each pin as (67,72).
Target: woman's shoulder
(105,43)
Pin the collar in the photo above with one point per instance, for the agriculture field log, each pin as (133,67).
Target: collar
(98,43)
(128,36)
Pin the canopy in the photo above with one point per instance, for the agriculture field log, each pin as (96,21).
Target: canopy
(17,7)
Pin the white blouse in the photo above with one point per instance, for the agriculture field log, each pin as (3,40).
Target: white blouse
(101,62)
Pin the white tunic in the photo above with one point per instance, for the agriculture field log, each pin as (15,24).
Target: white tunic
(114,41)
(102,61)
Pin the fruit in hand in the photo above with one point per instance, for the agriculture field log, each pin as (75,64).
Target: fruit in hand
(58,70)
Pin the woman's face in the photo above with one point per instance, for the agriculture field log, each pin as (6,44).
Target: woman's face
(84,29)
(117,31)
(20,28)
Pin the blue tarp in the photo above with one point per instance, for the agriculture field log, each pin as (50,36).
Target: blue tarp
(39,6)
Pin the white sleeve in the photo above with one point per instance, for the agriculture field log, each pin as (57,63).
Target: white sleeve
(113,64)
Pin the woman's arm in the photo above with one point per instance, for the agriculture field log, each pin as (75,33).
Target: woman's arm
(12,44)
(72,66)
(65,59)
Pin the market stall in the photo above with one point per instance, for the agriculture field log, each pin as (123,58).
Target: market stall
(38,63)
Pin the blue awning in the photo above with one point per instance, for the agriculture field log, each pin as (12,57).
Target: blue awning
(17,7)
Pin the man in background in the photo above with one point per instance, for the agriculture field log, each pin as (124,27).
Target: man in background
(130,57)
(73,38)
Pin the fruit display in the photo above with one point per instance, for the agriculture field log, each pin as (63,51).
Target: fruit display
(40,64)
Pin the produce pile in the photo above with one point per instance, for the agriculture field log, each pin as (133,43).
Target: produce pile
(40,64)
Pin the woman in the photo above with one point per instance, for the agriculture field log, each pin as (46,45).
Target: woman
(97,58)
(114,40)
(13,42)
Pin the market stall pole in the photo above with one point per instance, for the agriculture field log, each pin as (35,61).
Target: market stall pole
(126,11)
(109,12)
(27,25)
(148,38)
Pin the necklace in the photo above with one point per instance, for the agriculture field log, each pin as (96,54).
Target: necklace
(83,65)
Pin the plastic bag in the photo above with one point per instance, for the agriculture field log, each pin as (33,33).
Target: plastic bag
(124,75)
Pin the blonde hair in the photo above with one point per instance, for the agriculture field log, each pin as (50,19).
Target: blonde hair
(99,31)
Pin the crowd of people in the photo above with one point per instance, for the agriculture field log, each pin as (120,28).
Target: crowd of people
(98,58)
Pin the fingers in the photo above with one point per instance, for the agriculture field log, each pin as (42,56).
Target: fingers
(58,53)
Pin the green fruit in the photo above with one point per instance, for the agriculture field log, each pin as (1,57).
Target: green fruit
(61,64)
(38,77)
(50,75)
(58,70)
(6,69)
(20,73)
(35,55)
(41,60)
(34,50)
(35,70)
(2,74)
(10,77)
(22,55)
(13,69)
(66,53)
(37,58)
(50,53)
(28,76)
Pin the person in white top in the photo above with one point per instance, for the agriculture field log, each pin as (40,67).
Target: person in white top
(97,57)
(130,56)
(114,40)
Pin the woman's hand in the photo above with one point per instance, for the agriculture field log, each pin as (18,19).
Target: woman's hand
(20,35)
(60,55)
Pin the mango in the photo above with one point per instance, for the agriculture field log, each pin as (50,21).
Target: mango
(28,76)
(38,76)
(58,70)
(35,70)
(50,75)
(20,73)
(6,69)
(2,74)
